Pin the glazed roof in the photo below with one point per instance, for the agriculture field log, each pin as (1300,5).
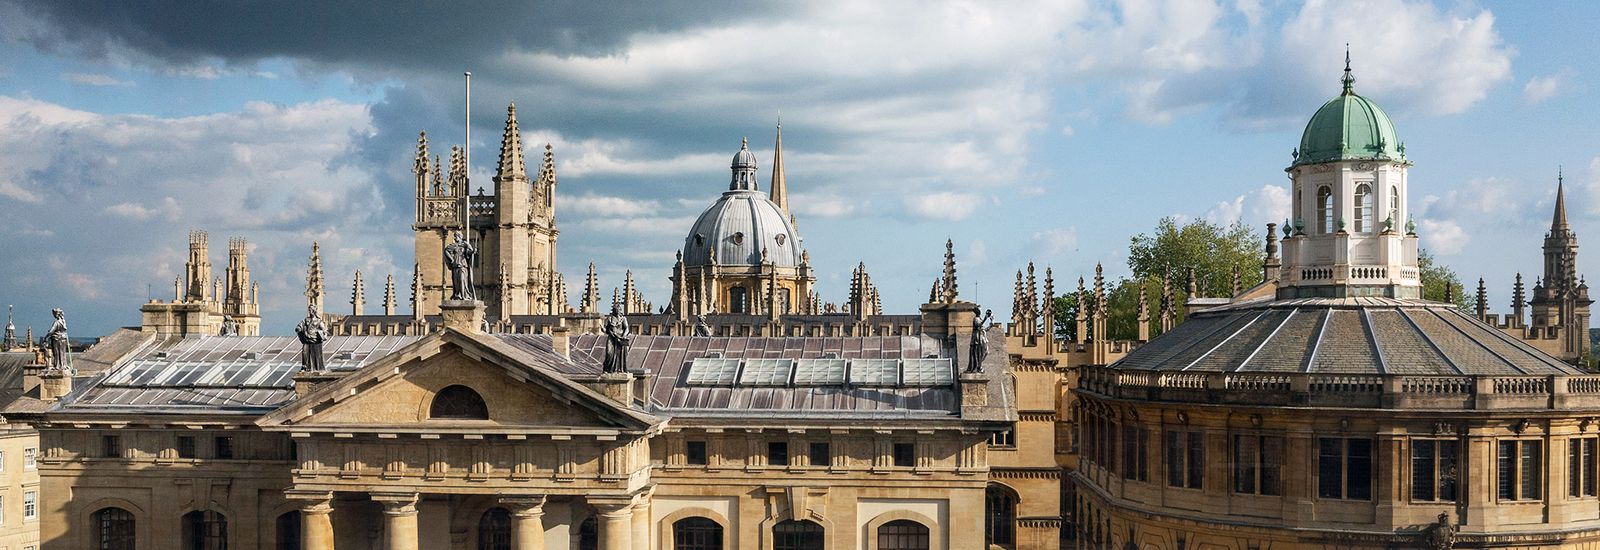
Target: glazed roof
(1382,336)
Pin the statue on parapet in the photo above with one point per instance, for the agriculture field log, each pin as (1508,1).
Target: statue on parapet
(313,332)
(230,327)
(615,327)
(58,345)
(978,350)
(458,256)
(701,328)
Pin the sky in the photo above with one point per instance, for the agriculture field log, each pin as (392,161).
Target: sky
(1049,132)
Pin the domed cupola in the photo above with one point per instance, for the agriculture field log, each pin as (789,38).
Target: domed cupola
(1349,127)
(743,225)
(744,169)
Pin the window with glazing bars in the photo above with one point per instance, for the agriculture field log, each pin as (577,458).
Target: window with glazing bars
(1186,459)
(1581,467)
(1434,467)
(1344,468)
(1257,464)
(1135,452)
(1519,469)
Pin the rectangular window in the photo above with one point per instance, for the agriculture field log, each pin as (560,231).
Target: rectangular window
(30,458)
(224,446)
(1186,461)
(1257,463)
(185,446)
(1581,467)
(1520,474)
(1005,438)
(110,446)
(777,453)
(30,505)
(905,455)
(2,461)
(2,509)
(820,454)
(1434,466)
(1344,468)
(694,452)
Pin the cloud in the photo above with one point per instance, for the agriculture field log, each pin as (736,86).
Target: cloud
(94,79)
(1271,204)
(11,190)
(1443,237)
(1540,88)
(947,206)
(599,206)
(168,209)
(1056,242)
(824,206)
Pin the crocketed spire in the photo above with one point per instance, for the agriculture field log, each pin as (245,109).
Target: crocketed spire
(511,162)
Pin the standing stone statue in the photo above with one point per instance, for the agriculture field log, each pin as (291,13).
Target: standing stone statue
(701,328)
(979,349)
(312,333)
(458,256)
(229,326)
(59,346)
(617,341)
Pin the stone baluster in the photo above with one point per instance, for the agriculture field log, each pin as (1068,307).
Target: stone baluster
(399,520)
(527,521)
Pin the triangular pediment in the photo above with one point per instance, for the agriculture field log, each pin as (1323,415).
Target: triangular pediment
(395,394)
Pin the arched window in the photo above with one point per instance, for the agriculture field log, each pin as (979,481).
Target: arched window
(289,531)
(903,534)
(113,529)
(1363,208)
(458,402)
(205,530)
(696,533)
(589,534)
(1394,206)
(1000,516)
(494,530)
(736,299)
(1325,209)
(797,535)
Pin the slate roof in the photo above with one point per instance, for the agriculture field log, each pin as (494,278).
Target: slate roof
(1382,336)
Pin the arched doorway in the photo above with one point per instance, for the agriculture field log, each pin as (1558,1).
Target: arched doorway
(903,534)
(797,535)
(494,529)
(288,529)
(113,529)
(696,533)
(205,530)
(1000,516)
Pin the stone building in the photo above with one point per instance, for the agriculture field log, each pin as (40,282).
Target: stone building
(1559,307)
(202,303)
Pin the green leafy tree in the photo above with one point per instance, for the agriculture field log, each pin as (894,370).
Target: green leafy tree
(1435,277)
(1213,250)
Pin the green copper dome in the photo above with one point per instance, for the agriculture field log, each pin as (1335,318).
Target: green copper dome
(1349,127)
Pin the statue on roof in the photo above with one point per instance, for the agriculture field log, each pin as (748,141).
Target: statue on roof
(701,328)
(313,332)
(58,345)
(617,340)
(979,348)
(458,256)
(230,327)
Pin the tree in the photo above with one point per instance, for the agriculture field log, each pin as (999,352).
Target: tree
(1214,251)
(1434,278)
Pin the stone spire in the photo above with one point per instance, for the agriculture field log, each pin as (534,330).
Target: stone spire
(591,292)
(1169,311)
(630,300)
(1047,308)
(1082,317)
(197,271)
(1558,221)
(423,170)
(1030,296)
(949,281)
(314,288)
(388,295)
(511,163)
(10,341)
(1194,285)
(1238,284)
(1271,266)
(237,295)
(358,295)
(1019,305)
(1144,314)
(1482,298)
(779,188)
(416,291)
(458,172)
(1519,302)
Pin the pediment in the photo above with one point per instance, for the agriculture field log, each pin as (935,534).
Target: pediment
(396,393)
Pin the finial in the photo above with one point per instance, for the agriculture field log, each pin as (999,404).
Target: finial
(1348,80)
(745,144)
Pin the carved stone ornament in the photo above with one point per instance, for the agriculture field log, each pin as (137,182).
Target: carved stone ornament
(1521,426)
(1344,424)
(1364,166)
(1183,417)
(1255,420)
(1583,425)
(1443,428)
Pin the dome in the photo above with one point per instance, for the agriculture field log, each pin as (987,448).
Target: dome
(744,158)
(738,226)
(1348,127)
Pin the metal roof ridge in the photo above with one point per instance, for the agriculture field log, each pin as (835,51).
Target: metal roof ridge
(1224,340)
(1469,337)
(1372,336)
(1316,345)
(1429,340)
(1268,339)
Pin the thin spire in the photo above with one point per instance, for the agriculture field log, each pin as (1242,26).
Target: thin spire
(1558,221)
(780,186)
(1348,79)
(511,162)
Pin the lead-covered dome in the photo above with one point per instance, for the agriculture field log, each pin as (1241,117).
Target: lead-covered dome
(741,224)
(1348,127)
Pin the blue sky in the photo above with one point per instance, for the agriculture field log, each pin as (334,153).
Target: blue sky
(1051,131)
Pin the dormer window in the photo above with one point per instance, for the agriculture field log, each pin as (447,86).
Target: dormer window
(458,403)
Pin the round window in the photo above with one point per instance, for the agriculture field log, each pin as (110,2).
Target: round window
(781,238)
(738,238)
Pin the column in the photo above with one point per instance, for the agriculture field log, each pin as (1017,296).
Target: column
(527,521)
(642,520)
(316,523)
(616,522)
(399,520)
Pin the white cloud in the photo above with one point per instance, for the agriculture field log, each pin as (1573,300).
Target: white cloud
(1056,242)
(1226,212)
(611,207)
(167,209)
(1443,237)
(945,205)
(824,206)
(11,190)
(89,79)
(1271,204)
(1540,88)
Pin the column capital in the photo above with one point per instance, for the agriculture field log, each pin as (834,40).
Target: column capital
(311,502)
(524,504)
(397,504)
(612,507)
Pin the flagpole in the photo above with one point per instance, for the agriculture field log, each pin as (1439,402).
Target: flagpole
(466,199)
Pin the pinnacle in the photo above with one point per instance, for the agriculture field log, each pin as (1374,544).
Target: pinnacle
(511,162)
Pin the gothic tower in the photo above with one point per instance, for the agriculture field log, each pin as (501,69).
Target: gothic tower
(1349,237)
(1561,304)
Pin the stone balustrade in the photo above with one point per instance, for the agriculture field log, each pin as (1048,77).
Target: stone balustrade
(1347,390)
